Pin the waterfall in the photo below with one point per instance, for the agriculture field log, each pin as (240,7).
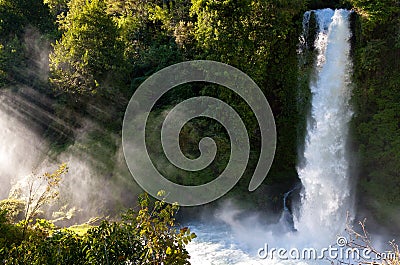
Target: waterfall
(326,197)
(326,193)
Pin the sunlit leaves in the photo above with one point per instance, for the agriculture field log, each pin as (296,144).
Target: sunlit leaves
(89,50)
(57,6)
(376,13)
(149,236)
(42,190)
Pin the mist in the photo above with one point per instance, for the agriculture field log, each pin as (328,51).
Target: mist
(98,182)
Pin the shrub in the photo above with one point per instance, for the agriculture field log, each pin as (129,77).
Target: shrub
(148,236)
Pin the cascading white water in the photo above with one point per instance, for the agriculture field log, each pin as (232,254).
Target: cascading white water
(326,194)
(325,197)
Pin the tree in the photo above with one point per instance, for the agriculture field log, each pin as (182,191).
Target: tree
(57,6)
(25,205)
(359,241)
(15,15)
(150,30)
(163,243)
(16,18)
(43,190)
(377,13)
(375,127)
(149,236)
(244,33)
(89,53)
(259,38)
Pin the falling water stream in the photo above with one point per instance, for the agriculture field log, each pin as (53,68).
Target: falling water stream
(325,197)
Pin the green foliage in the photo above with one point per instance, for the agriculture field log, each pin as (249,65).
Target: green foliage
(320,4)
(146,28)
(162,242)
(376,13)
(241,33)
(3,63)
(57,6)
(15,15)
(11,60)
(376,100)
(42,190)
(9,233)
(108,47)
(148,236)
(25,205)
(17,20)
(89,52)
(14,208)
(263,45)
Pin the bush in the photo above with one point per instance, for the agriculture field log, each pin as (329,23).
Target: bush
(148,236)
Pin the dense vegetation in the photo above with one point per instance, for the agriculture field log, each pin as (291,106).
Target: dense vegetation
(376,101)
(146,235)
(101,51)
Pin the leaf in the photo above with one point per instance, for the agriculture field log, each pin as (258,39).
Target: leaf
(168,251)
